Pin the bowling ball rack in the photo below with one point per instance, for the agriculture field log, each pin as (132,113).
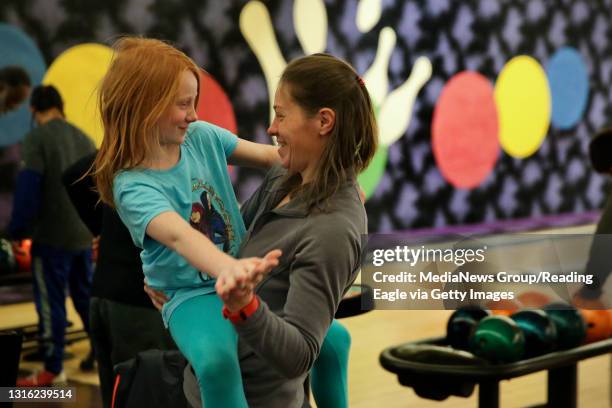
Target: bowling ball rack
(437,381)
(31,337)
(16,278)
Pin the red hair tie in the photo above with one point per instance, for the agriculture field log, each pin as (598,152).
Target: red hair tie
(360,80)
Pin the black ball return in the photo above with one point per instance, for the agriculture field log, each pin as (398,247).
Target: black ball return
(357,300)
(435,381)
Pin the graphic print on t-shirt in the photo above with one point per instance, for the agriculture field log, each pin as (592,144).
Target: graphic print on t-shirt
(208,215)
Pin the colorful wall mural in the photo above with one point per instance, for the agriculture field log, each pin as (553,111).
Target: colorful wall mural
(485,108)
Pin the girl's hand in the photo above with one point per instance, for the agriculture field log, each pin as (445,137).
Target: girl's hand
(237,283)
(236,298)
(234,286)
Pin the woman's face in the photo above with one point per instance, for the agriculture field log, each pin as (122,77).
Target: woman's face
(174,121)
(298,135)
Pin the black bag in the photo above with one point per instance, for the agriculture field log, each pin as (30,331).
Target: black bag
(154,378)
(10,352)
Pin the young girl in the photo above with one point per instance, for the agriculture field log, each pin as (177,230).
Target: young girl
(166,174)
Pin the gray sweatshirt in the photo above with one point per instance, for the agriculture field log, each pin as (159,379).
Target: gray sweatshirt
(48,150)
(321,255)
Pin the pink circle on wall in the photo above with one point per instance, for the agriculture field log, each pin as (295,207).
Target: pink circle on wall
(464,130)
(214,105)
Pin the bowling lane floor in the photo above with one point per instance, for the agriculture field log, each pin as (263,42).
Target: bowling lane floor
(369,384)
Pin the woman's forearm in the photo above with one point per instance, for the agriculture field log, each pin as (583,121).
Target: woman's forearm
(288,349)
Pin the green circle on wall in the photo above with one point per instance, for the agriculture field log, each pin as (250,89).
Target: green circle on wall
(369,179)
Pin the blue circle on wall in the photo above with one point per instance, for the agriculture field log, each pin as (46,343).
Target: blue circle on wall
(17,48)
(569,87)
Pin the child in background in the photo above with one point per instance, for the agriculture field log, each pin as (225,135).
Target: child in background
(61,243)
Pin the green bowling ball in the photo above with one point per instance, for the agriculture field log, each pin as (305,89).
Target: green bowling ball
(462,324)
(498,339)
(571,328)
(539,331)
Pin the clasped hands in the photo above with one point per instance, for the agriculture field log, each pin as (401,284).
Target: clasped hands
(235,283)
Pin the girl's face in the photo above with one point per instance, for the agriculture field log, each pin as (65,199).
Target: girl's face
(174,121)
(298,134)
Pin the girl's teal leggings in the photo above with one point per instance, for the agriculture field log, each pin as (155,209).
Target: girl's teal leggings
(210,342)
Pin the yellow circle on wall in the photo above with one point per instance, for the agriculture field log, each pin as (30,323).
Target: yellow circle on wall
(523,100)
(77,73)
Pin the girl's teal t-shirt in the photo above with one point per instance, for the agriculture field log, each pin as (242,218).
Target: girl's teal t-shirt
(199,189)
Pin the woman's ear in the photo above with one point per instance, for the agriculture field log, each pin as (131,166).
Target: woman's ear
(327,117)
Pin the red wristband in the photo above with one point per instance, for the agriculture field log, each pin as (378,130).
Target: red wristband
(243,313)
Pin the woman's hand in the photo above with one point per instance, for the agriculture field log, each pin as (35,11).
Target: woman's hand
(158,298)
(95,248)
